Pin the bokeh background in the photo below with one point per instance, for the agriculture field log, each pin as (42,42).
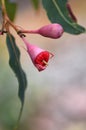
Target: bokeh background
(55,99)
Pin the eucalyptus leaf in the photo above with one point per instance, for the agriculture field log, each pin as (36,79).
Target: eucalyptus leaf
(58,13)
(11,8)
(35,3)
(14,62)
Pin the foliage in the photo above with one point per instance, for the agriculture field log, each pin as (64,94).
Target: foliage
(15,64)
(62,20)
(59,14)
(11,9)
(35,3)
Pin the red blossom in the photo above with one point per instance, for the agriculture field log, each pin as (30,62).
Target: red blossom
(38,56)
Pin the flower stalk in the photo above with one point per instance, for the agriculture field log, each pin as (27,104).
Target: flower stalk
(51,31)
(6,21)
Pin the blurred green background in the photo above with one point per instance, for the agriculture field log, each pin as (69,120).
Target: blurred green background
(55,98)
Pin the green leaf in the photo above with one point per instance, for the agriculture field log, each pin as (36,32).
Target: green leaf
(11,9)
(58,13)
(35,3)
(14,62)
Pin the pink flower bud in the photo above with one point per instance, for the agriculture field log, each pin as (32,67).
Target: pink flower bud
(52,31)
(38,56)
(0,33)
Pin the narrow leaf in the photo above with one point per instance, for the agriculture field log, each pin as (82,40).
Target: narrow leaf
(35,3)
(11,9)
(58,13)
(14,62)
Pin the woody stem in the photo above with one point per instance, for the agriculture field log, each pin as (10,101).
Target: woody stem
(6,21)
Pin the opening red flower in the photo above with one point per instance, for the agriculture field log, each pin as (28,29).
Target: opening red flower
(38,56)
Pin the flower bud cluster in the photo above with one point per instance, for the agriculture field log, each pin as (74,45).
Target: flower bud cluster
(39,56)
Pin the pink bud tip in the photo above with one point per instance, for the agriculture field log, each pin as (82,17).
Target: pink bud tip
(38,56)
(0,33)
(52,31)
